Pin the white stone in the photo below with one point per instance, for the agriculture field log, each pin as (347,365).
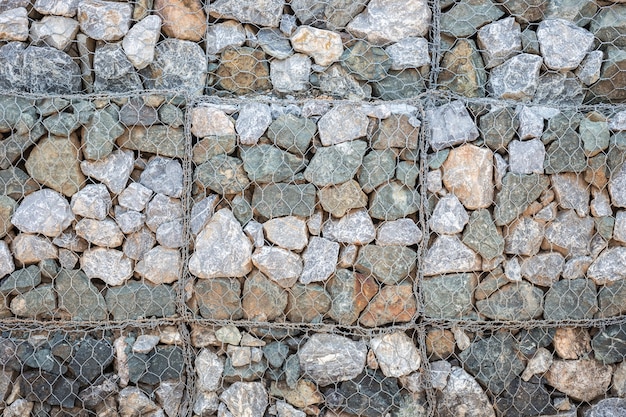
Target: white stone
(112,170)
(201,213)
(134,197)
(356,227)
(320,260)
(451,125)
(563,44)
(600,205)
(539,364)
(253,121)
(499,41)
(342,123)
(280,265)
(140,41)
(145,343)
(463,394)
(396,354)
(45,211)
(93,202)
(6,260)
(245,399)
(572,192)
(220,36)
(104,20)
(617,122)
(104,233)
(449,216)
(287,232)
(171,234)
(162,209)
(401,232)
(65,8)
(14,25)
(209,368)
(433,181)
(513,270)
(411,52)
(501,167)
(530,123)
(439,374)
(589,70)
(324,46)
(210,121)
(163,175)
(206,404)
(291,74)
(448,254)
(619,230)
(526,157)
(56,31)
(109,265)
(160,265)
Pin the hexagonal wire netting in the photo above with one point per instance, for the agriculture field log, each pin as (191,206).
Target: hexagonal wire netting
(329,208)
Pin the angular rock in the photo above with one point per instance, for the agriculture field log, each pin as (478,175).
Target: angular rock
(79,297)
(104,20)
(164,176)
(393,201)
(36,302)
(140,41)
(463,71)
(450,125)
(162,209)
(498,127)
(320,260)
(581,380)
(30,249)
(55,31)
(522,398)
(161,140)
(518,192)
(113,170)
(449,216)
(281,199)
(93,201)
(182,19)
(524,237)
(350,293)
(287,232)
(449,296)
(266,163)
(56,7)
(54,162)
(221,249)
(570,300)
(263,300)
(566,154)
(448,254)
(572,192)
(342,123)
(264,13)
(397,132)
(517,78)
(245,399)
(177,65)
(410,52)
(134,197)
(338,82)
(243,70)
(338,200)
(324,46)
(46,212)
(330,358)
(608,267)
(209,368)
(474,186)
(307,303)
(279,265)
(612,67)
(607,407)
(570,234)
(385,21)
(402,232)
(219,298)
(482,235)
(335,164)
(253,121)
(292,133)
(589,70)
(392,304)
(563,44)
(609,346)
(396,354)
(123,302)
(114,73)
(463,19)
(388,264)
(515,301)
(21,280)
(109,265)
(499,41)
(526,157)
(366,62)
(543,269)
(378,167)
(104,233)
(460,393)
(595,136)
(160,265)
(220,36)
(222,174)
(356,227)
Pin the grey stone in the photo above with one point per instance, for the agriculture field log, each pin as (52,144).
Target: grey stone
(61,124)
(378,167)
(171,115)
(609,25)
(187,73)
(140,41)
(222,174)
(290,74)
(336,13)
(221,249)
(543,269)
(45,212)
(281,199)
(608,268)
(30,249)
(114,72)
(396,354)
(320,260)
(220,36)
(570,300)
(463,19)
(449,216)
(274,43)
(498,127)
(400,85)
(594,135)
(55,31)
(524,237)
(559,88)
(570,234)
(411,52)
(461,392)
(522,398)
(401,232)
(463,71)
(517,78)
(266,163)
(515,301)
(171,234)
(517,193)
(7,208)
(581,380)
(209,368)
(447,255)
(607,407)
(482,235)
(356,227)
(449,296)
(156,301)
(388,264)
(563,44)
(609,346)
(324,46)
(169,395)
(14,24)
(79,297)
(366,62)
(201,212)
(36,302)
(335,164)
(451,125)
(104,20)
(21,280)
(292,133)
(113,170)
(160,265)
(499,41)
(383,21)
(104,233)
(56,7)
(526,157)
(580,12)
(93,202)
(493,361)
(566,154)
(338,82)
(571,192)
(100,133)
(393,201)
(350,293)
(227,291)
(338,200)
(342,123)
(253,121)
(589,70)
(134,197)
(109,265)
(320,359)
(136,112)
(287,232)
(279,265)
(164,176)
(245,399)
(264,13)
(531,122)
(162,209)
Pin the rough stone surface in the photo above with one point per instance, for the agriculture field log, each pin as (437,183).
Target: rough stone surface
(517,78)
(113,170)
(402,232)
(335,164)
(350,293)
(253,121)
(341,124)
(468,172)
(55,31)
(449,216)
(515,301)
(462,392)
(526,157)
(517,193)
(243,70)
(189,72)
(388,264)
(582,380)
(260,13)
(320,260)
(451,125)
(140,41)
(263,299)
(109,265)
(499,41)
(104,20)
(563,44)
(182,19)
(448,254)
(356,227)
(280,265)
(570,299)
(160,265)
(245,399)
(325,47)
(482,235)
(329,358)
(396,354)
(45,212)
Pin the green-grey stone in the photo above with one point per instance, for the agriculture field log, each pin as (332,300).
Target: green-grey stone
(267,163)
(292,133)
(612,299)
(99,135)
(564,123)
(609,346)
(48,106)
(242,210)
(611,76)
(157,139)
(21,280)
(466,17)
(307,303)
(493,361)
(463,70)
(84,110)
(222,174)
(388,264)
(219,298)
(407,173)
(533,339)
(336,164)
(343,288)
(498,127)
(400,85)
(61,124)
(171,115)
(565,154)
(436,160)
(609,25)
(448,296)
(595,136)
(571,300)
(276,200)
(211,146)
(36,302)
(515,301)
(482,235)
(378,167)
(393,201)
(366,62)
(604,226)
(276,353)
(16,183)
(251,372)
(580,12)
(79,297)
(137,300)
(137,366)
(517,193)
(13,110)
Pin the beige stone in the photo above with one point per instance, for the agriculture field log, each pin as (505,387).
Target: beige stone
(468,173)
(324,46)
(581,380)
(571,343)
(182,19)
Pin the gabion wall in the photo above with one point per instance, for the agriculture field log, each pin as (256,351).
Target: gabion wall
(328,208)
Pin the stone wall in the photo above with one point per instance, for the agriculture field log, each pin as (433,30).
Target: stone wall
(328,208)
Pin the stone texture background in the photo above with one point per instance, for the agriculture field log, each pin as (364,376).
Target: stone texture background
(328,208)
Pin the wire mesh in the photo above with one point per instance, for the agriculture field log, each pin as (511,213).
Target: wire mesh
(328,208)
